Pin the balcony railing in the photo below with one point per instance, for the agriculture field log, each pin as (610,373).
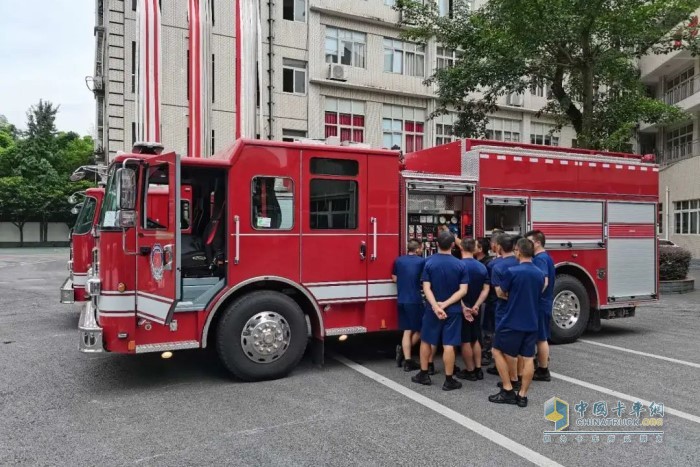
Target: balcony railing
(682,90)
(678,152)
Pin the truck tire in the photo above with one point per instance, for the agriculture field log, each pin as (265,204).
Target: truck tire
(261,336)
(570,310)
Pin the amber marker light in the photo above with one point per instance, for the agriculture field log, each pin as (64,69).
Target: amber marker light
(121,287)
(166,355)
(343,338)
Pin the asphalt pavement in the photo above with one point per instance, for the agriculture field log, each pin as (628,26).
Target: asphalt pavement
(60,407)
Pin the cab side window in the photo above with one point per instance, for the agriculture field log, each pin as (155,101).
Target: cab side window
(272,203)
(333,198)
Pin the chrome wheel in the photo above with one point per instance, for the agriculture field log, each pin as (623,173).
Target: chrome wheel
(265,337)
(566,310)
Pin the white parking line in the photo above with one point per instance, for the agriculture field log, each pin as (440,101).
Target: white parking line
(503,441)
(622,395)
(644,354)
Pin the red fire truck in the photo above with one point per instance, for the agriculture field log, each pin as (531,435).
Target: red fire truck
(83,236)
(82,241)
(291,240)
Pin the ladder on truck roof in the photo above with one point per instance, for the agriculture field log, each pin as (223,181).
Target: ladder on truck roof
(500,150)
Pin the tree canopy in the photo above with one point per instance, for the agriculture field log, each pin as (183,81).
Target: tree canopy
(35,165)
(585,51)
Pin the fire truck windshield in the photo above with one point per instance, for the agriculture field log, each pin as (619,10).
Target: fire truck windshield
(85,217)
(108,216)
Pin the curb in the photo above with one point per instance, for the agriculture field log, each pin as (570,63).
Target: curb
(679,286)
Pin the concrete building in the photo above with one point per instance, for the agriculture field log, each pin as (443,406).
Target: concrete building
(330,68)
(675,79)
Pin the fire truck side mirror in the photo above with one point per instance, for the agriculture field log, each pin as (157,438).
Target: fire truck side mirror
(126,178)
(126,218)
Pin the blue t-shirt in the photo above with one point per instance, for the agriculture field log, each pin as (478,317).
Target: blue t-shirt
(497,274)
(478,276)
(408,269)
(445,274)
(491,301)
(546,264)
(524,284)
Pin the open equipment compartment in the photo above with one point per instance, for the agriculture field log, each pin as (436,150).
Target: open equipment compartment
(432,203)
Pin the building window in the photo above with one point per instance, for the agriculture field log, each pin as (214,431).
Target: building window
(502,129)
(333,204)
(212,9)
(680,87)
(390,2)
(133,66)
(346,119)
(346,47)
(445,7)
(294,10)
(444,128)
(133,133)
(133,4)
(541,90)
(541,133)
(292,135)
(679,143)
(447,57)
(686,215)
(272,203)
(404,58)
(403,127)
(293,76)
(213,141)
(660,219)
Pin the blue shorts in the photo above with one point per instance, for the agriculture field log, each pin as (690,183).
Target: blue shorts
(516,343)
(448,331)
(410,316)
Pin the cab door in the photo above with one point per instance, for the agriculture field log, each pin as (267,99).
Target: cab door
(158,240)
(334,241)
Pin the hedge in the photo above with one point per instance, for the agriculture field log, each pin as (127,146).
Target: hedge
(674,263)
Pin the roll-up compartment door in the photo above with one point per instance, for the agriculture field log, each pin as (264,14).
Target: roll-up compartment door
(569,223)
(632,264)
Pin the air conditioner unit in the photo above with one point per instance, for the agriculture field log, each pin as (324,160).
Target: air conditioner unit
(98,83)
(515,99)
(337,72)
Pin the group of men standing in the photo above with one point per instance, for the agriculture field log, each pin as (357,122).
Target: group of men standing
(483,305)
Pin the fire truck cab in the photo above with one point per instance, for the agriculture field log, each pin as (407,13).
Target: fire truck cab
(291,240)
(82,241)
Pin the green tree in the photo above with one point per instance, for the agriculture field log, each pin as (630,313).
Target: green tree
(586,51)
(20,202)
(73,151)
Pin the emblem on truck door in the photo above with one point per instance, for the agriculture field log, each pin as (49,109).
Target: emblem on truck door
(157,262)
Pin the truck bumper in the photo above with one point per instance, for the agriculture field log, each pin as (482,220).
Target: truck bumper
(67,293)
(90,332)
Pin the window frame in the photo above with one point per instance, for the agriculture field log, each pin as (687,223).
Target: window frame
(293,65)
(501,129)
(686,217)
(404,50)
(678,143)
(295,11)
(358,52)
(252,204)
(336,178)
(393,119)
(447,56)
(545,134)
(353,104)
